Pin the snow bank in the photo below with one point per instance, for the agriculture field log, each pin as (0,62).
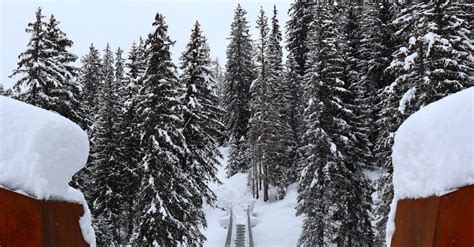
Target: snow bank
(433,151)
(433,148)
(40,151)
(277,223)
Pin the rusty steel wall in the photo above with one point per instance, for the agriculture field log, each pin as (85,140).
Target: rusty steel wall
(25,221)
(445,221)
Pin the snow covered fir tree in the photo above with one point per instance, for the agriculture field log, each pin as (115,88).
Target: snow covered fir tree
(289,133)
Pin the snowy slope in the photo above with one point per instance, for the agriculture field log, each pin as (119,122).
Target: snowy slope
(433,151)
(275,223)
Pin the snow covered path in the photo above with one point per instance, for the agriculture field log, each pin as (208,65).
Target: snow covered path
(232,193)
(273,224)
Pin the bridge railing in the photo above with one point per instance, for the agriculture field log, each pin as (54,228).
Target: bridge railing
(249,227)
(228,239)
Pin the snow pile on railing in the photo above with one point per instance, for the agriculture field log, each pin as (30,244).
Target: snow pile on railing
(40,151)
(433,152)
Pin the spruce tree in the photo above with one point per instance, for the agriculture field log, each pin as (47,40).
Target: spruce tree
(239,75)
(167,190)
(5,92)
(201,114)
(283,170)
(130,139)
(334,193)
(47,75)
(357,99)
(90,77)
(104,183)
(218,74)
(301,16)
(258,106)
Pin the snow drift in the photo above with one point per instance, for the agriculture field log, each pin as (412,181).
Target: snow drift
(433,151)
(40,151)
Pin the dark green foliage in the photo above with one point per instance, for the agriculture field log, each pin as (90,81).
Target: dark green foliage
(239,75)
(47,76)
(334,194)
(201,114)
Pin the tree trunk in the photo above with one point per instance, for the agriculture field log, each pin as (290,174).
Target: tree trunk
(259,175)
(265,183)
(130,220)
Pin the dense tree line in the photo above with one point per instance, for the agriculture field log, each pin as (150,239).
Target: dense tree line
(321,117)
(354,73)
(153,132)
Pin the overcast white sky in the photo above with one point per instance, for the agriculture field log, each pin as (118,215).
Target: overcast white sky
(121,22)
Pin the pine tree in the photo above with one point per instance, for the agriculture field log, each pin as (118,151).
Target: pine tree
(5,92)
(130,138)
(201,114)
(284,142)
(239,76)
(167,191)
(258,106)
(297,30)
(270,131)
(90,77)
(104,185)
(48,77)
(334,193)
(218,74)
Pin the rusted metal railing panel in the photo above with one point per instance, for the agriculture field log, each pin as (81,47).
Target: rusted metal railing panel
(446,220)
(25,221)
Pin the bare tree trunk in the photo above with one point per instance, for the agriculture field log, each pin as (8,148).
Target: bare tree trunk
(130,220)
(259,174)
(265,183)
(254,189)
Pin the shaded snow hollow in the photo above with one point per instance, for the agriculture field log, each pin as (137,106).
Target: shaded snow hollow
(40,151)
(433,151)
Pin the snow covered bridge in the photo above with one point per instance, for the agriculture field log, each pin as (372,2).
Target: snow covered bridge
(239,234)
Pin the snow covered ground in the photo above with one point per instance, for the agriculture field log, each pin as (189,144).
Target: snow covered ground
(275,223)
